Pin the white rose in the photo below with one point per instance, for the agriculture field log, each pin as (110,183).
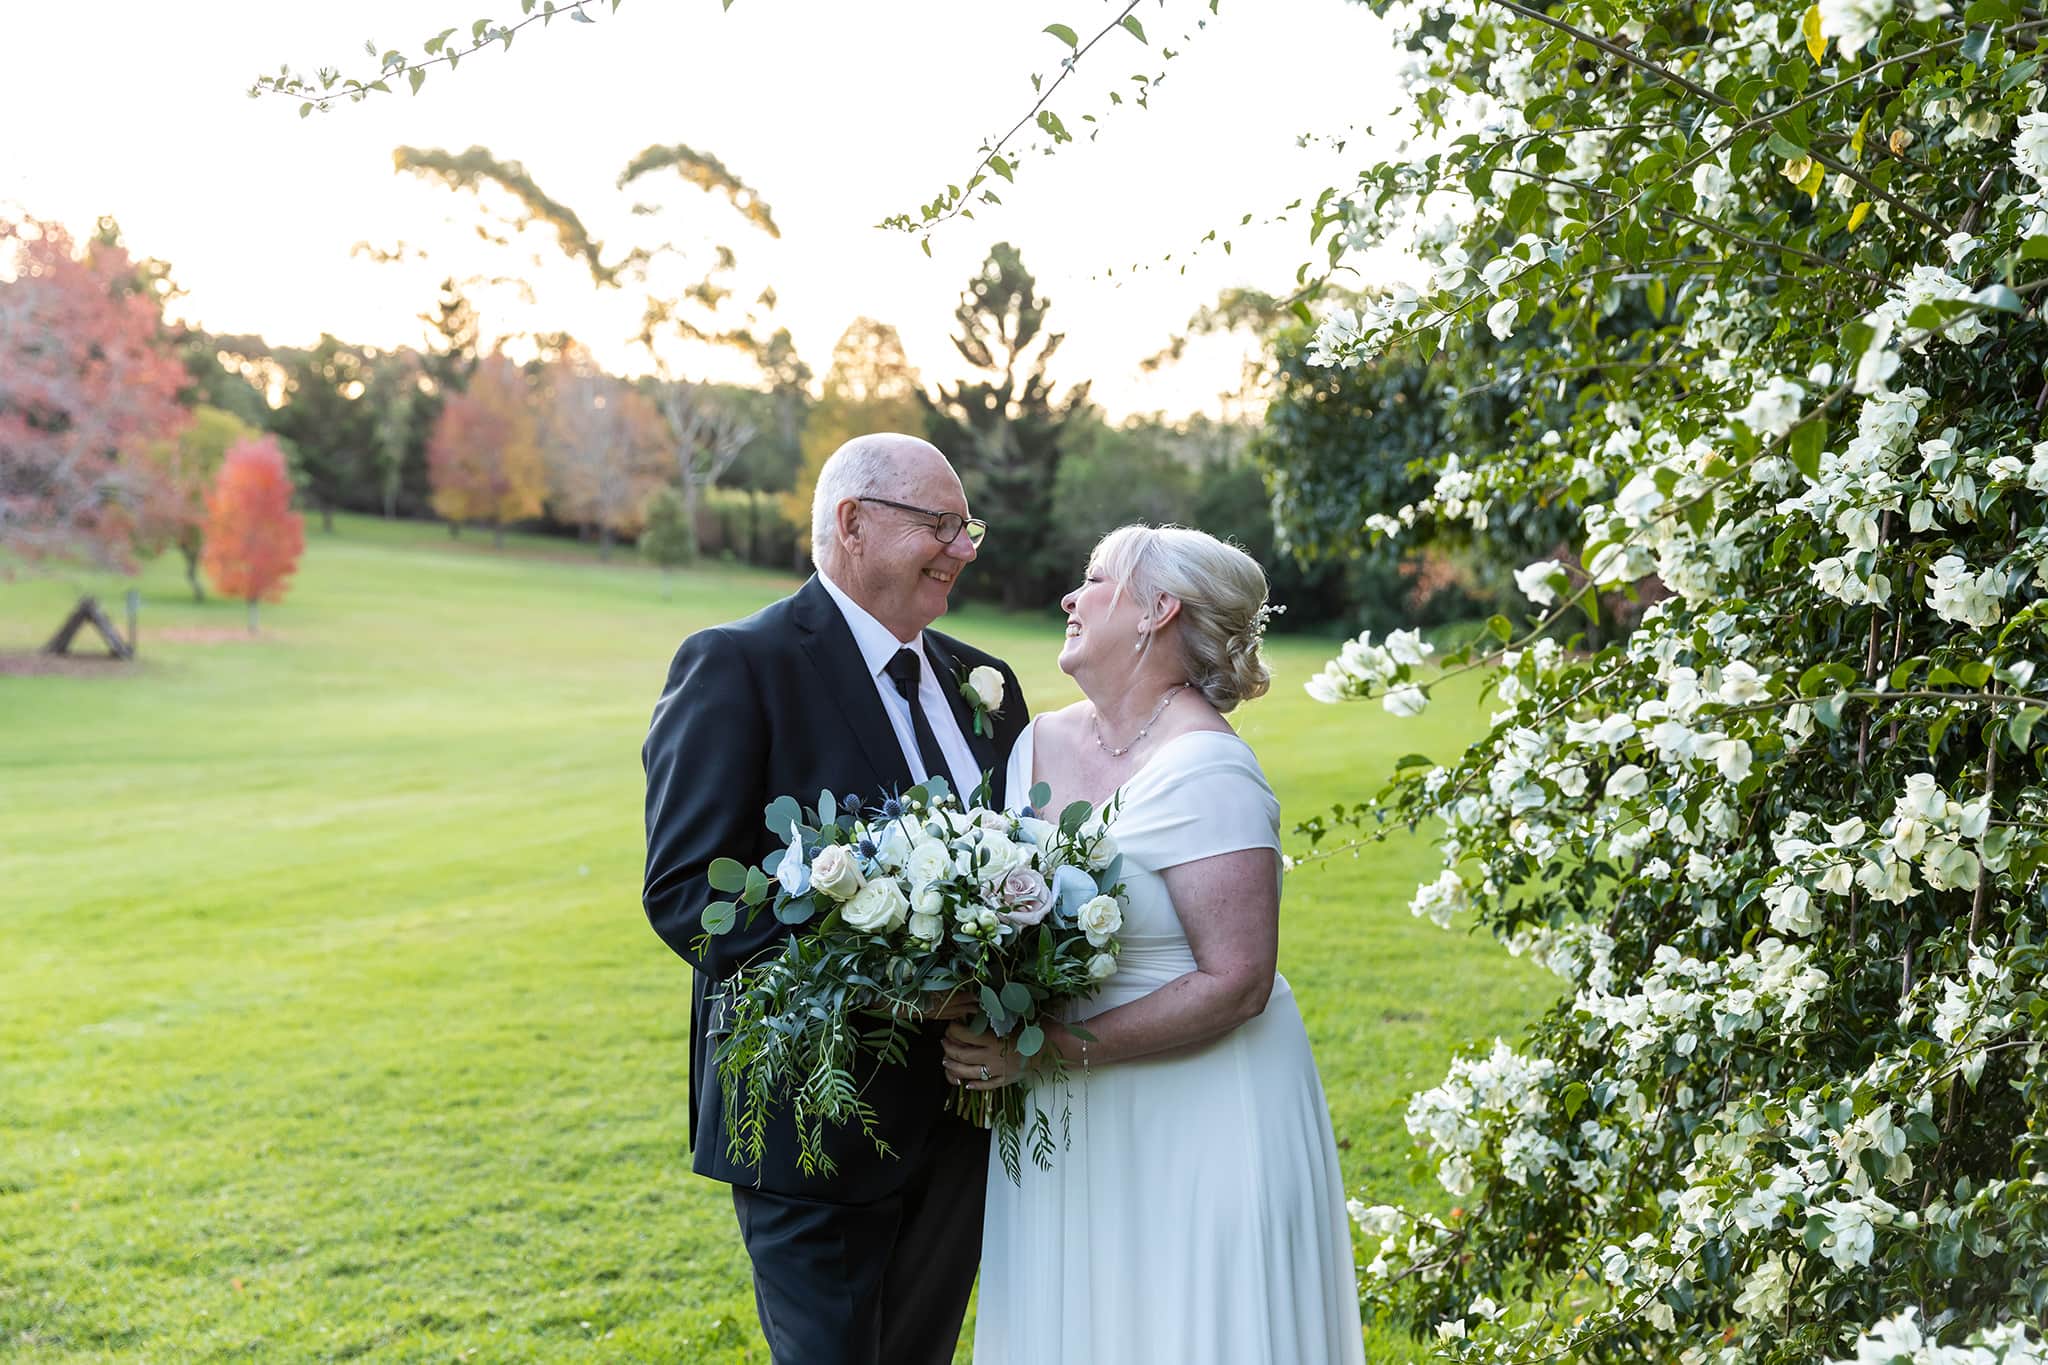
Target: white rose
(994,821)
(1039,832)
(1098,845)
(876,908)
(1101,967)
(987,686)
(836,873)
(991,858)
(927,928)
(928,862)
(1100,918)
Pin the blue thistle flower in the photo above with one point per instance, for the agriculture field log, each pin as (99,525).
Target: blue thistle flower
(867,848)
(850,804)
(892,808)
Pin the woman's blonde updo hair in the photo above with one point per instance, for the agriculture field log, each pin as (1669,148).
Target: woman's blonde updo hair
(1222,595)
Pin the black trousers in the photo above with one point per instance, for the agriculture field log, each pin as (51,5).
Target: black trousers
(881,1283)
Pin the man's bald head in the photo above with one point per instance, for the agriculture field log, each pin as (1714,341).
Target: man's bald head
(883,464)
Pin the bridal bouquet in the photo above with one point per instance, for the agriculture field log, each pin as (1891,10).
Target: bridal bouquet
(916,899)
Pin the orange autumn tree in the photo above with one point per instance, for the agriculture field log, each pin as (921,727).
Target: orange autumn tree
(253,538)
(484,458)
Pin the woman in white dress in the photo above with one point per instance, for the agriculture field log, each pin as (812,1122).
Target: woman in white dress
(1197,1215)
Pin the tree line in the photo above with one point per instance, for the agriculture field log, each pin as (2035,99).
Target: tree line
(455,431)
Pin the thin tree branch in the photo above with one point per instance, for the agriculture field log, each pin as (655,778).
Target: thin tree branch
(297,87)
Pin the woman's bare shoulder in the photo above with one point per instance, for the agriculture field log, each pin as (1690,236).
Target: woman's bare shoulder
(1056,730)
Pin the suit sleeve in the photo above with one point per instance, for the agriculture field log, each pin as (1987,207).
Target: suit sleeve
(706,751)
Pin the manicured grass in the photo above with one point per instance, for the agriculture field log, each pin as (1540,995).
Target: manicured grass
(330,1026)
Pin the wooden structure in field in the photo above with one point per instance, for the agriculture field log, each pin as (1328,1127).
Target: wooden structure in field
(89,613)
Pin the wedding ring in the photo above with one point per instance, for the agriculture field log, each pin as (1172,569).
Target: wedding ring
(984,1073)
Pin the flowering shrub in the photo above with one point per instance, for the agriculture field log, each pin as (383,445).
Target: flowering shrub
(1784,843)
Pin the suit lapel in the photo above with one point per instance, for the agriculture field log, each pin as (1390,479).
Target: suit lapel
(843,675)
(983,747)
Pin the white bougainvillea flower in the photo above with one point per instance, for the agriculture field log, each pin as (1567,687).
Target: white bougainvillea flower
(1541,581)
(1405,700)
(1500,319)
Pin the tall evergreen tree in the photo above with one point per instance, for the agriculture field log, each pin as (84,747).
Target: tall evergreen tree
(1003,429)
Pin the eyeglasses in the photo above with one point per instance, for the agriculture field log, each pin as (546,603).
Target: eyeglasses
(947,526)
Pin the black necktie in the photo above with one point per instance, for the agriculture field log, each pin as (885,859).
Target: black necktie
(903,670)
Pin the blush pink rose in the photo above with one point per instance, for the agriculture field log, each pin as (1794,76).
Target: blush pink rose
(1024,897)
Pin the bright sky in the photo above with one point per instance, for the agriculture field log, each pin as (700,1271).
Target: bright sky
(837,113)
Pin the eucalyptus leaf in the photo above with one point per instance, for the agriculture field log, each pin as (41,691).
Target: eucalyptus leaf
(783,814)
(726,874)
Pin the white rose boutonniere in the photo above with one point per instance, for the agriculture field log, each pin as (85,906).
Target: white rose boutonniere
(983,689)
(836,872)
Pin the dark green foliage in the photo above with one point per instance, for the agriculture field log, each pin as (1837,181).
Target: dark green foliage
(1004,431)
(331,430)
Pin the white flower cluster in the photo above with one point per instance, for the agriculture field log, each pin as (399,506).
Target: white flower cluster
(1363,669)
(1683,1001)
(1974,1009)
(1958,595)
(1502,1095)
(1900,1340)
(1960,322)
(1672,825)
(1853,22)
(1928,831)
(1850,491)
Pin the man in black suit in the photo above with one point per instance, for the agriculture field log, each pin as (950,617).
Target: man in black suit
(839,687)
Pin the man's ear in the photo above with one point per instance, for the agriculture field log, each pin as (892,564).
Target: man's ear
(847,517)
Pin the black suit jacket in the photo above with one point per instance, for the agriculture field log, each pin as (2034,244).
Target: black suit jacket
(782,704)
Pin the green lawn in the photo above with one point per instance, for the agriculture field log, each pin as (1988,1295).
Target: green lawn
(330,1026)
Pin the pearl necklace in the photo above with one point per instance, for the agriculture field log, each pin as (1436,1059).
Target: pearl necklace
(1095,720)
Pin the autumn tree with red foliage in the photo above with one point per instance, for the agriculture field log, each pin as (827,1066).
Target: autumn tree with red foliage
(253,538)
(484,456)
(86,385)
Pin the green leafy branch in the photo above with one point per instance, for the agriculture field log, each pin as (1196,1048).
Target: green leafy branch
(957,199)
(327,84)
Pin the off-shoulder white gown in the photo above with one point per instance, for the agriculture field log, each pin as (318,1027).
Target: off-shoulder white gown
(1198,1216)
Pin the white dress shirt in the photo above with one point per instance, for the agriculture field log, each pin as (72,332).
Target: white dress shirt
(878,644)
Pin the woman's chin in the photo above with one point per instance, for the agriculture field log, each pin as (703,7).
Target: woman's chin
(1070,656)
